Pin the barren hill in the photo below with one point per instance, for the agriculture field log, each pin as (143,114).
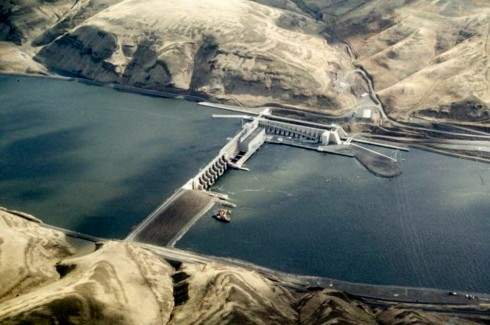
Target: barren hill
(46,277)
(427,58)
(237,50)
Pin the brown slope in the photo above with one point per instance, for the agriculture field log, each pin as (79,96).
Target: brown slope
(46,279)
(21,20)
(426,58)
(235,49)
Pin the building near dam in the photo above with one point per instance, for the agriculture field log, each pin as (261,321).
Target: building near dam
(169,222)
(261,129)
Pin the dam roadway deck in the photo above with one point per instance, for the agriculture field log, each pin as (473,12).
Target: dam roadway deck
(173,218)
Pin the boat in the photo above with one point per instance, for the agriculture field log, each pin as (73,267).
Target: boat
(223,215)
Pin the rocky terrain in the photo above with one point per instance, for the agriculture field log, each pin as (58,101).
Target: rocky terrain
(236,50)
(47,278)
(426,58)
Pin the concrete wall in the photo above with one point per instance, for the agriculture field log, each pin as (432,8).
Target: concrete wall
(248,140)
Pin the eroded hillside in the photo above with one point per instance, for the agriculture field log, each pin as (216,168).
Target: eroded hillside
(236,50)
(45,277)
(427,58)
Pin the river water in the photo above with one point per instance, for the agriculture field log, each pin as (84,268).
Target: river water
(310,213)
(98,161)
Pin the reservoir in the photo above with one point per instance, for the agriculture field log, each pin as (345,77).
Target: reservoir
(97,161)
(310,213)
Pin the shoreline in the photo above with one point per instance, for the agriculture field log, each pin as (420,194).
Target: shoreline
(120,87)
(382,292)
(325,281)
(378,292)
(182,280)
(182,95)
(129,89)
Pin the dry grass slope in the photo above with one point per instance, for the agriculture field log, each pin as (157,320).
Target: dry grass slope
(235,50)
(44,279)
(426,58)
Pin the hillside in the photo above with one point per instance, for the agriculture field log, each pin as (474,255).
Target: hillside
(235,50)
(46,277)
(427,58)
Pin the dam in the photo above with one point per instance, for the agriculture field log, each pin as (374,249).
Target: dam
(101,165)
(174,217)
(266,128)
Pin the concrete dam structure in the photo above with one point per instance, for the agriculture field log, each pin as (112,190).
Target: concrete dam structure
(169,222)
(259,130)
(234,154)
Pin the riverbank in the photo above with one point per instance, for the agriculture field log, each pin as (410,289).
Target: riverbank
(231,105)
(432,302)
(323,215)
(125,88)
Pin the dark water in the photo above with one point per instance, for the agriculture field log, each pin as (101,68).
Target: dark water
(311,213)
(97,160)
